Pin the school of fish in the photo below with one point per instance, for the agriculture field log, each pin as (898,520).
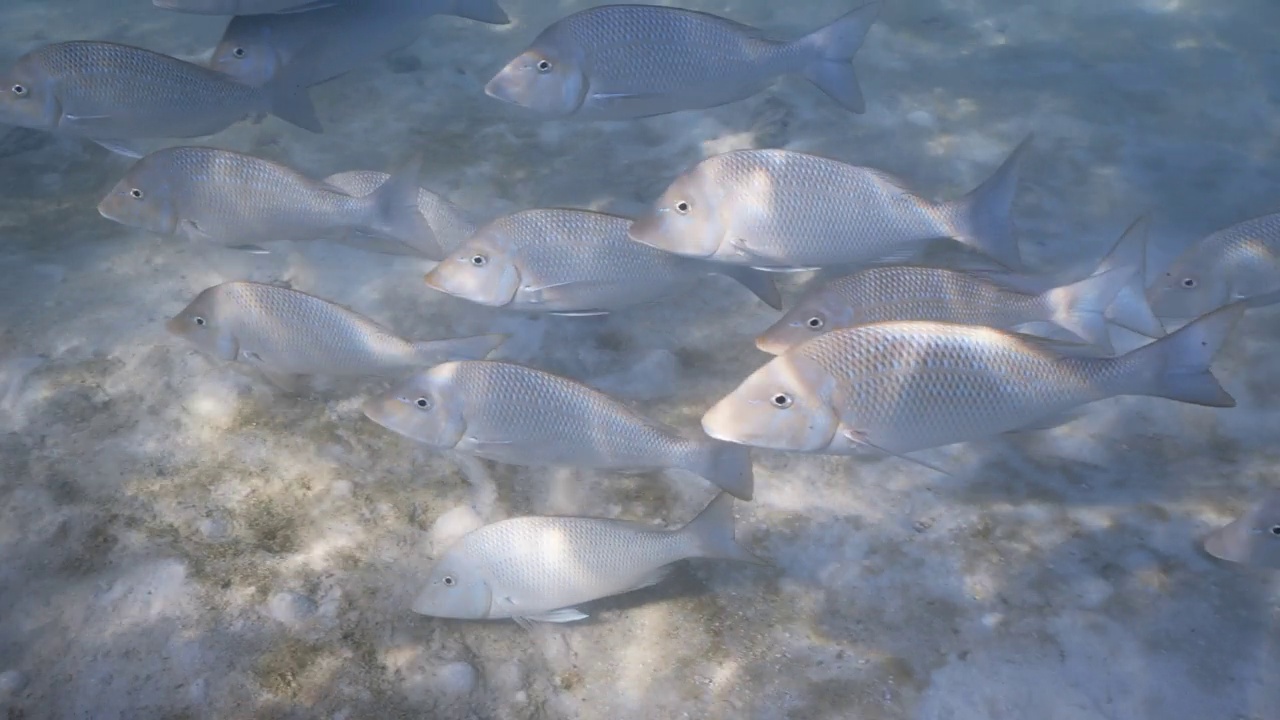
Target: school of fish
(893,354)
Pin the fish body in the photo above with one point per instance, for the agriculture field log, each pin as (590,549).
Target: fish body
(627,61)
(1253,538)
(335,40)
(286,333)
(540,568)
(1236,263)
(449,223)
(108,91)
(904,386)
(219,196)
(777,209)
(518,415)
(244,7)
(571,261)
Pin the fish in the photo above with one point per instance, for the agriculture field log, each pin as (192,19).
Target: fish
(218,196)
(784,210)
(449,223)
(573,262)
(539,569)
(243,7)
(518,415)
(286,334)
(898,387)
(1253,538)
(333,41)
(617,62)
(109,93)
(1232,264)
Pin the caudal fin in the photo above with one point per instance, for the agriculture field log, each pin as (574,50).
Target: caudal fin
(396,213)
(1081,306)
(712,533)
(759,282)
(289,98)
(478,347)
(485,11)
(1130,309)
(833,48)
(982,219)
(1177,365)
(727,465)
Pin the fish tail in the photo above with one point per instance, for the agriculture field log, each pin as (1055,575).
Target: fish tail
(485,11)
(981,219)
(1131,308)
(727,465)
(834,46)
(289,98)
(478,347)
(1081,306)
(1177,366)
(712,533)
(396,213)
(759,282)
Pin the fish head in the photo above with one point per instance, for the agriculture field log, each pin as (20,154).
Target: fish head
(1251,539)
(143,199)
(782,406)
(246,52)
(811,317)
(29,95)
(482,270)
(1190,288)
(545,78)
(456,588)
(199,324)
(422,408)
(685,220)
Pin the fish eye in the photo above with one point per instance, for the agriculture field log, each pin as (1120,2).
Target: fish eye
(682,207)
(136,194)
(781,401)
(20,90)
(199,321)
(238,52)
(1188,283)
(815,323)
(449,581)
(422,403)
(543,66)
(1275,529)
(479,260)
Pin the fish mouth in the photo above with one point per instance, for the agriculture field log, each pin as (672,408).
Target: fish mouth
(773,346)
(489,292)
(1216,545)
(498,88)
(174,326)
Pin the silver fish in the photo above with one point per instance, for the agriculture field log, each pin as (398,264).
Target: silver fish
(243,7)
(522,416)
(1238,262)
(905,386)
(627,61)
(285,334)
(449,223)
(777,209)
(334,40)
(573,262)
(108,92)
(540,568)
(1253,538)
(210,195)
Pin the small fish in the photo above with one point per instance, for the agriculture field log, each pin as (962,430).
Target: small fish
(210,195)
(108,92)
(540,568)
(618,62)
(448,222)
(573,261)
(905,386)
(518,415)
(777,209)
(243,7)
(1235,263)
(1253,538)
(334,40)
(285,334)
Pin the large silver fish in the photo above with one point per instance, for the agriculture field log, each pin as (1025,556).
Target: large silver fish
(777,209)
(1235,263)
(522,416)
(210,195)
(244,7)
(449,223)
(334,40)
(1253,538)
(573,262)
(540,568)
(627,61)
(108,92)
(285,334)
(905,386)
